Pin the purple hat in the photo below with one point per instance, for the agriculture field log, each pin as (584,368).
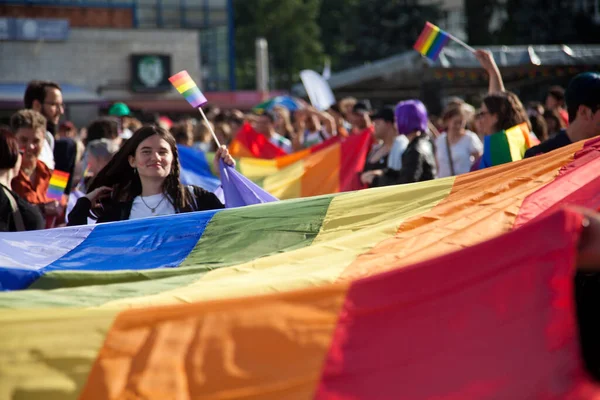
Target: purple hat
(411,115)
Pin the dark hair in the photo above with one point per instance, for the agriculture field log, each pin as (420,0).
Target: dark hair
(36,90)
(539,126)
(558,93)
(555,115)
(9,148)
(27,119)
(583,90)
(102,128)
(268,114)
(335,108)
(182,132)
(508,108)
(125,182)
(453,111)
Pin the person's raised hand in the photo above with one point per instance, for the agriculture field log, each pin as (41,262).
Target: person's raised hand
(486,59)
(96,195)
(223,153)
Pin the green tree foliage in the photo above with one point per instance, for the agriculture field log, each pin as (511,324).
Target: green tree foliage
(291,29)
(479,16)
(530,22)
(356,32)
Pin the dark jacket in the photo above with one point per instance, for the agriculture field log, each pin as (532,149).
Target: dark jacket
(418,165)
(119,211)
(30,214)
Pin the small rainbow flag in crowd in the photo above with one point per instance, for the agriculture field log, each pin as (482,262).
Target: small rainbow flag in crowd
(58,184)
(431,41)
(188,88)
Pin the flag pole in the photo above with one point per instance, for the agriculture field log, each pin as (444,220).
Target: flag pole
(209,127)
(463,44)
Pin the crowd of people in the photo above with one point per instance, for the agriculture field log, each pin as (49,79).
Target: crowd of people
(123,168)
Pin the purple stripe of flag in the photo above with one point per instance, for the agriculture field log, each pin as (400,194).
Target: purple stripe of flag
(195,97)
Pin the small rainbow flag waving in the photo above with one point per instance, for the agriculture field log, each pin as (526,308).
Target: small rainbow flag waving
(58,184)
(431,41)
(188,88)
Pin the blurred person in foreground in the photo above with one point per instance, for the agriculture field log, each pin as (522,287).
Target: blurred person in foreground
(583,105)
(456,148)
(16,214)
(418,160)
(33,179)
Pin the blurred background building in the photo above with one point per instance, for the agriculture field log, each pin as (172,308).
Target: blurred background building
(102,51)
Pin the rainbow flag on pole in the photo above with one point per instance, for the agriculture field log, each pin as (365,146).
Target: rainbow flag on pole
(431,41)
(188,88)
(58,184)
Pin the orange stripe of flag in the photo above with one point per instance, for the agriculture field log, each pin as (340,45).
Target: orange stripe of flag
(427,31)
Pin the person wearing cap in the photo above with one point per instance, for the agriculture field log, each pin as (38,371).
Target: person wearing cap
(418,160)
(361,120)
(121,111)
(583,105)
(387,139)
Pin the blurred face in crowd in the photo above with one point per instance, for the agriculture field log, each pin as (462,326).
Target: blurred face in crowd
(381,128)
(264,124)
(95,164)
(486,121)
(456,124)
(551,102)
(153,158)
(31,142)
(53,107)
(359,120)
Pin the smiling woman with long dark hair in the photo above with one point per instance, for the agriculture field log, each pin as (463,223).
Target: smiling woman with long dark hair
(142,180)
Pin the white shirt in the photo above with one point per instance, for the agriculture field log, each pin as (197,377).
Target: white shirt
(157,202)
(281,142)
(462,154)
(47,154)
(396,152)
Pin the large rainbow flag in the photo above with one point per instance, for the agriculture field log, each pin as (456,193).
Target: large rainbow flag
(330,167)
(337,296)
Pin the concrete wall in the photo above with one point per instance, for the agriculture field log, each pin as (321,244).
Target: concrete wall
(96,57)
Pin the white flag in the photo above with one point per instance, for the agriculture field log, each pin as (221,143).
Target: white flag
(318,90)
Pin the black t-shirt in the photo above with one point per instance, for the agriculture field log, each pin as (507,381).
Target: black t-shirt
(32,217)
(560,140)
